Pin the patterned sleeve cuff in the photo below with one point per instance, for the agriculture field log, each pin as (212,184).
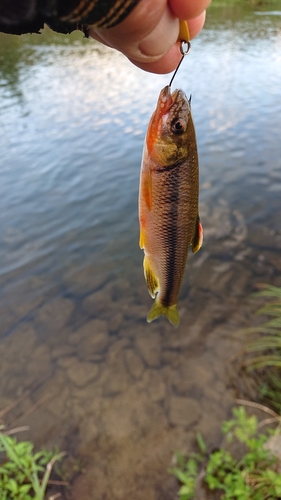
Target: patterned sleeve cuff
(99,13)
(63,16)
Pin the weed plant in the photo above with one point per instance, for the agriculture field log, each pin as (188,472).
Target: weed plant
(268,344)
(263,350)
(256,475)
(24,475)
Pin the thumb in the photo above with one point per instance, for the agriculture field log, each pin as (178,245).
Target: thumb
(146,35)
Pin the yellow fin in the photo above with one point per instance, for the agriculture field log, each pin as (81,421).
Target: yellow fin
(151,280)
(171,312)
(198,238)
(142,239)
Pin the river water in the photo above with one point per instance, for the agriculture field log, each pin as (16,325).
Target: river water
(79,363)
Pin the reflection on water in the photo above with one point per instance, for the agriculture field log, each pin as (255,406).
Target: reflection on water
(89,373)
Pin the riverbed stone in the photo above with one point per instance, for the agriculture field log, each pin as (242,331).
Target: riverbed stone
(171,358)
(210,428)
(155,386)
(92,348)
(135,311)
(7,320)
(94,339)
(23,296)
(39,365)
(117,419)
(116,378)
(20,343)
(88,430)
(183,411)
(84,279)
(121,288)
(116,322)
(90,395)
(215,391)
(149,347)
(67,361)
(42,423)
(56,382)
(57,404)
(191,376)
(63,350)
(82,373)
(54,315)
(89,329)
(98,302)
(134,363)
(117,350)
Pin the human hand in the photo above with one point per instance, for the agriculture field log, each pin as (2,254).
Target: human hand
(148,36)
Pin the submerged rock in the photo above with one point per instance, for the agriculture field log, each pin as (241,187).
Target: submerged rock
(149,347)
(54,315)
(183,411)
(98,302)
(82,373)
(134,363)
(19,345)
(84,280)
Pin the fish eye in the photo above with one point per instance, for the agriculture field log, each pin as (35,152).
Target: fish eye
(178,126)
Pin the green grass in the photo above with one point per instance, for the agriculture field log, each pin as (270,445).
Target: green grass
(24,475)
(254,476)
(262,349)
(266,344)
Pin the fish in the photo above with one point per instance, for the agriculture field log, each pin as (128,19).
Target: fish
(168,201)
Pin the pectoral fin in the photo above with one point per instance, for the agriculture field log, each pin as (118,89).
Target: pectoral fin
(142,238)
(151,280)
(198,238)
(146,185)
(147,189)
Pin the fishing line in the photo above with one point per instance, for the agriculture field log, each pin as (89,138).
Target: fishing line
(184,48)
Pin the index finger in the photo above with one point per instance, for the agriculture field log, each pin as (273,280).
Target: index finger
(188,9)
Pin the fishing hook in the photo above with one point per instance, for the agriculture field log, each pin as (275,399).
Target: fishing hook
(185,47)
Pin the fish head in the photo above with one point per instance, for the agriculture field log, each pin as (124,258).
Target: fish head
(170,127)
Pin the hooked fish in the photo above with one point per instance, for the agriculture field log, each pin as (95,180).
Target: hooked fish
(168,201)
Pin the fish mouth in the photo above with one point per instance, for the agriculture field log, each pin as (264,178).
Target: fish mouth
(178,96)
(170,97)
(175,94)
(167,100)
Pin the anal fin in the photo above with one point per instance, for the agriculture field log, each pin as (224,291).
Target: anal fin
(151,280)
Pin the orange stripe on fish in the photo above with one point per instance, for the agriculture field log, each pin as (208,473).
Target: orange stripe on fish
(164,103)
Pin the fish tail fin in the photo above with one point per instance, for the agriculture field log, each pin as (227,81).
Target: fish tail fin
(171,313)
